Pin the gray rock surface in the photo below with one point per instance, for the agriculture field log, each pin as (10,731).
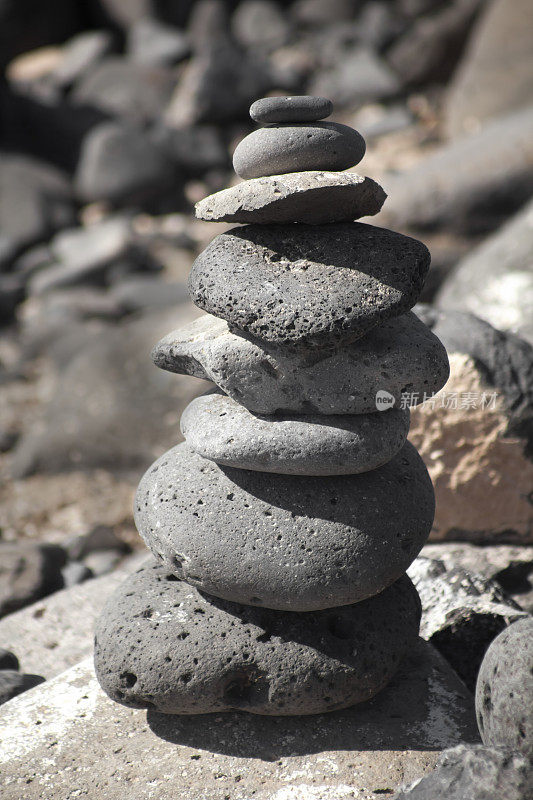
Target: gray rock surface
(400,355)
(218,428)
(476,773)
(119,163)
(106,390)
(494,77)
(13,683)
(153,43)
(390,739)
(261,25)
(495,280)
(359,76)
(311,285)
(162,645)
(80,54)
(28,571)
(495,179)
(296,108)
(297,148)
(312,198)
(56,632)
(504,691)
(293,543)
(462,613)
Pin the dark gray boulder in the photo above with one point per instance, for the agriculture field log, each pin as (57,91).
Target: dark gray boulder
(13,683)
(28,571)
(504,690)
(286,542)
(311,285)
(162,645)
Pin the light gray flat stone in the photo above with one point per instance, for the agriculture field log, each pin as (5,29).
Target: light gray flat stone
(296,148)
(287,542)
(218,428)
(401,355)
(94,747)
(312,198)
(57,632)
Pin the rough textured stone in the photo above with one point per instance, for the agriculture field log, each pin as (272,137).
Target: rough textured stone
(495,280)
(476,437)
(28,571)
(13,683)
(476,773)
(312,198)
(495,74)
(462,613)
(377,745)
(296,148)
(56,632)
(310,285)
(218,428)
(286,542)
(161,644)
(504,691)
(495,179)
(297,108)
(400,355)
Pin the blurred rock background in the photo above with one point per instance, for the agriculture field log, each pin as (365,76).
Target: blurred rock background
(116,116)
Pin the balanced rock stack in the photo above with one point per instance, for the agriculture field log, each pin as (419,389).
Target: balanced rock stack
(282,528)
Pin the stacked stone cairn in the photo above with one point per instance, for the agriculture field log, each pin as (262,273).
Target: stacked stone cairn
(281,529)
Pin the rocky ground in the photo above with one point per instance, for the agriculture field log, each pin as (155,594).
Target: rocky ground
(115,118)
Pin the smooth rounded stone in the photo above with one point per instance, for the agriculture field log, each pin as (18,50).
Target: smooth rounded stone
(297,108)
(218,428)
(13,683)
(296,148)
(8,660)
(161,644)
(288,542)
(400,355)
(312,198)
(504,690)
(310,285)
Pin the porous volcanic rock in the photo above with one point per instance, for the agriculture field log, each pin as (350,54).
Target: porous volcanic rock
(212,656)
(218,428)
(296,148)
(401,355)
(312,198)
(295,543)
(504,691)
(309,285)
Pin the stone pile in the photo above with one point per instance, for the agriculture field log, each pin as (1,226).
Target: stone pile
(283,527)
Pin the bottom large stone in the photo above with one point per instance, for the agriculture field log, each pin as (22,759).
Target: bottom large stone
(161,644)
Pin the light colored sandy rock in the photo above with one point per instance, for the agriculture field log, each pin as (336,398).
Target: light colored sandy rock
(67,739)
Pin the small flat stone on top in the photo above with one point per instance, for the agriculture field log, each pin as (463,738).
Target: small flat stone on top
(297,147)
(311,198)
(298,108)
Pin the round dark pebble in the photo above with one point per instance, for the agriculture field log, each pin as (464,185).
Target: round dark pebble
(8,660)
(160,644)
(297,108)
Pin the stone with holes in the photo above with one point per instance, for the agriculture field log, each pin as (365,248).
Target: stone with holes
(218,428)
(401,355)
(311,285)
(504,690)
(312,198)
(296,148)
(289,542)
(161,644)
